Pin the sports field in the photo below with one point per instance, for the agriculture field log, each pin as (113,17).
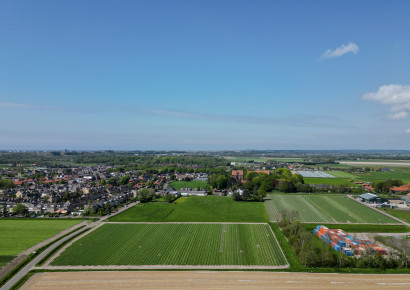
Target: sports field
(324,208)
(17,235)
(196,209)
(175,244)
(194,184)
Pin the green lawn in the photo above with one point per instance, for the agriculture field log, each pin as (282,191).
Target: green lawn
(196,209)
(175,244)
(329,181)
(194,184)
(18,235)
(401,173)
(401,214)
(324,208)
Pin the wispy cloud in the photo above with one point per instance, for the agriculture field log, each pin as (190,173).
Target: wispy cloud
(341,50)
(302,120)
(395,96)
(407,131)
(5,105)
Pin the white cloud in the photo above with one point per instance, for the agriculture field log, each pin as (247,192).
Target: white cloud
(407,131)
(396,96)
(341,50)
(399,115)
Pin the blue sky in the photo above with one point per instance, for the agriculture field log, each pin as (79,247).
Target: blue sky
(193,75)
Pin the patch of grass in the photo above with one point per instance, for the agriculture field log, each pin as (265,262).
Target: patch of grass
(19,235)
(329,181)
(341,174)
(194,184)
(196,209)
(401,214)
(4,260)
(175,244)
(323,208)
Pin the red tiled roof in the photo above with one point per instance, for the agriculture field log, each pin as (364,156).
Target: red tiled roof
(260,171)
(401,188)
(237,172)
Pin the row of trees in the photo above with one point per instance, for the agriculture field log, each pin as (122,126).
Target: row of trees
(314,252)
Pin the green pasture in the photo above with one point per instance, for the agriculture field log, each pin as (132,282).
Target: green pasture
(194,184)
(324,208)
(399,213)
(195,209)
(175,244)
(17,235)
(342,174)
(329,181)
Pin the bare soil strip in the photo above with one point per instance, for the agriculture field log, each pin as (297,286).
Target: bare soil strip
(213,280)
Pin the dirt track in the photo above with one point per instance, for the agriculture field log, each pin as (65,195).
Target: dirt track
(212,280)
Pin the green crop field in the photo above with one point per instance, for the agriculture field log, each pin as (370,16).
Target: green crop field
(341,174)
(398,173)
(196,209)
(18,235)
(175,244)
(324,208)
(329,181)
(194,184)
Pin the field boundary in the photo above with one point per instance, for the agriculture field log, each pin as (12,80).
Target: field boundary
(280,247)
(187,223)
(159,267)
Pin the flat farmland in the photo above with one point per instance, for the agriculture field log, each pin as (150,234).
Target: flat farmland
(329,181)
(341,174)
(175,244)
(196,209)
(18,235)
(324,209)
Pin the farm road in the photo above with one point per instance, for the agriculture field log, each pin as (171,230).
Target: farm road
(43,254)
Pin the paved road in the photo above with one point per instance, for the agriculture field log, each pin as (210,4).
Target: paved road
(32,264)
(213,280)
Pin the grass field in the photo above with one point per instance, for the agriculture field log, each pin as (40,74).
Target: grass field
(324,208)
(194,184)
(18,235)
(329,181)
(263,159)
(342,174)
(175,244)
(401,214)
(401,173)
(196,209)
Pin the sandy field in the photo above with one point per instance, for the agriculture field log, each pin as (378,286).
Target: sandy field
(212,280)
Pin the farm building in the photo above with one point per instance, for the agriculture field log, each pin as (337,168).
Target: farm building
(400,189)
(370,198)
(237,174)
(193,192)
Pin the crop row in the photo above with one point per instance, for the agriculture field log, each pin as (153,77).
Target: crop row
(175,244)
(324,208)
